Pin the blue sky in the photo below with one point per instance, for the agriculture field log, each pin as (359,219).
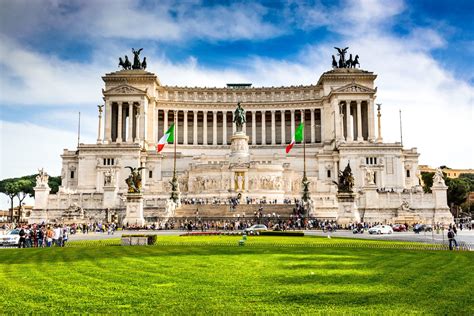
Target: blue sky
(53,53)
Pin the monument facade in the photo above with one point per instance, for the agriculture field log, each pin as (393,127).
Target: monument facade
(222,152)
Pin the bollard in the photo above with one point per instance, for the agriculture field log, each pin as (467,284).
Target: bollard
(241,242)
(244,237)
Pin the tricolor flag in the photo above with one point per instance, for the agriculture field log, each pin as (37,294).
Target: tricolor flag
(165,139)
(298,137)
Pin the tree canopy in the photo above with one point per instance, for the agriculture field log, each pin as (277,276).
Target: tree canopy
(23,187)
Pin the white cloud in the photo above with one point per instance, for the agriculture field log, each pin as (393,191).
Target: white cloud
(126,19)
(45,79)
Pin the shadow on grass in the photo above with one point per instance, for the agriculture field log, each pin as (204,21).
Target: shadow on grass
(21,256)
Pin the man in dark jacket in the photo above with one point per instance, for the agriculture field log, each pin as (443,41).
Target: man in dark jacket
(22,233)
(451,239)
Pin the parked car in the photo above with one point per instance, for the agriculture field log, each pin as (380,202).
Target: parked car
(256,228)
(422,228)
(399,228)
(381,229)
(10,238)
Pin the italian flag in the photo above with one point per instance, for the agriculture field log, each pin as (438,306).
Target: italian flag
(165,139)
(298,137)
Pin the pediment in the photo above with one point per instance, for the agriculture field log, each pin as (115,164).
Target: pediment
(124,89)
(354,88)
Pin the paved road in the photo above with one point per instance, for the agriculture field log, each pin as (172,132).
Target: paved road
(465,235)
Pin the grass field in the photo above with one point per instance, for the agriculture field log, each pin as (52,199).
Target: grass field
(208,275)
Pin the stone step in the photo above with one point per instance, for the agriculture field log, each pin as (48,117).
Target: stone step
(223,210)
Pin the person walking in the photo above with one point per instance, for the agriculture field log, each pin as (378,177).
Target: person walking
(451,239)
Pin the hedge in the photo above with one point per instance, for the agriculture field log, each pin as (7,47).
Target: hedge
(282,233)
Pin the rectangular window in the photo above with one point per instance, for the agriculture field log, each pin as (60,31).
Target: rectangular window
(375,160)
(105,162)
(150,174)
(408,173)
(72,174)
(329,173)
(366,160)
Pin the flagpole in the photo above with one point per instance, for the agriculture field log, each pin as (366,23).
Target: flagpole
(175,140)
(304,181)
(174,180)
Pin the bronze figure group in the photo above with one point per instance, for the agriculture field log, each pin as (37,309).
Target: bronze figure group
(127,65)
(343,63)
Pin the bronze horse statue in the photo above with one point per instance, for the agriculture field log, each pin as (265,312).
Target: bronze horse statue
(126,65)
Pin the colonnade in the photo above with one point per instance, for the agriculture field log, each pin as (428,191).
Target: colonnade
(123,125)
(356,120)
(216,127)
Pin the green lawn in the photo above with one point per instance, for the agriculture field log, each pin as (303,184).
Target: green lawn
(208,275)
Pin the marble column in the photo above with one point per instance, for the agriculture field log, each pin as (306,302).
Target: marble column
(204,133)
(119,123)
(283,127)
(254,129)
(336,110)
(292,122)
(195,128)
(370,120)
(349,137)
(224,128)
(264,138)
(273,128)
(130,123)
(108,122)
(359,122)
(234,127)
(214,127)
(137,127)
(99,131)
(185,128)
(165,121)
(379,124)
(313,127)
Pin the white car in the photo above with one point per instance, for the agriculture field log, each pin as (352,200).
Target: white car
(11,238)
(381,229)
(256,228)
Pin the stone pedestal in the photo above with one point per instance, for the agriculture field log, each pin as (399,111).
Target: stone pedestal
(239,149)
(39,214)
(442,213)
(347,212)
(110,196)
(134,209)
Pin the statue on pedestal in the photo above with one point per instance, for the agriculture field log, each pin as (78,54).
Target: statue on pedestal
(42,178)
(134,180)
(438,177)
(369,176)
(239,117)
(346,180)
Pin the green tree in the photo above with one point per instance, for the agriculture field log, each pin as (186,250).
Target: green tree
(427,178)
(54,183)
(469,177)
(10,188)
(24,187)
(458,190)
